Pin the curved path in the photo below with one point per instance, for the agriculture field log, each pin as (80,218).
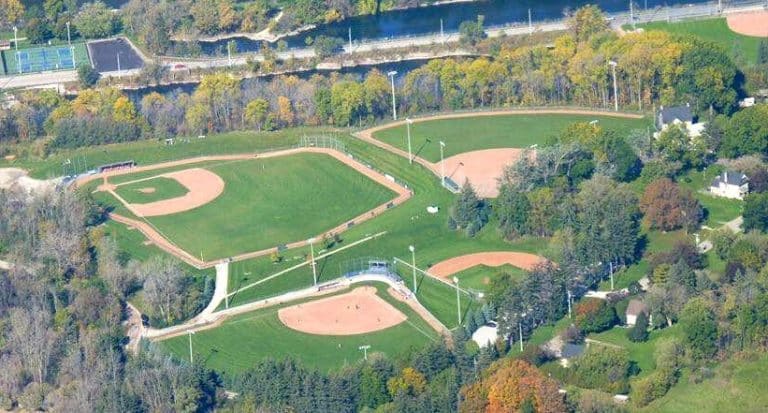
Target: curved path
(481,167)
(213,320)
(167,245)
(445,269)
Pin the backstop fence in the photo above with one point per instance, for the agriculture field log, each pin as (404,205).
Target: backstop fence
(322,141)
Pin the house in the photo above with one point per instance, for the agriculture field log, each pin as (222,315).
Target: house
(634,309)
(679,116)
(486,335)
(730,184)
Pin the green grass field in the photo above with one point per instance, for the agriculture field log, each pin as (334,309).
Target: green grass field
(478,277)
(640,353)
(718,210)
(245,339)
(503,131)
(272,201)
(738,385)
(742,48)
(164,188)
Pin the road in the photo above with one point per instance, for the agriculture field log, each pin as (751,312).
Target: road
(617,20)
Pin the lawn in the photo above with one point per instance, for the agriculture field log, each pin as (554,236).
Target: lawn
(478,277)
(248,338)
(737,386)
(503,131)
(718,210)
(272,201)
(151,190)
(640,353)
(742,48)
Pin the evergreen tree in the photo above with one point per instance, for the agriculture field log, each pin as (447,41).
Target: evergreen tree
(512,208)
(469,213)
(639,332)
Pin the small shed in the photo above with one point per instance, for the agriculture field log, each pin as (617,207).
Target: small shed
(634,309)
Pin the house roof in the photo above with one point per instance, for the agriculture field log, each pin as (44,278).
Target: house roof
(681,113)
(730,178)
(636,307)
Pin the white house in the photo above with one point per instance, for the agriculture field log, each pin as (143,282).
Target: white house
(679,116)
(730,184)
(634,309)
(486,335)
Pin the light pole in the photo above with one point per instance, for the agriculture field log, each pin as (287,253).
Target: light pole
(615,87)
(190,333)
(520,330)
(16,45)
(413,266)
(569,303)
(458,298)
(118,63)
(312,262)
(391,75)
(442,163)
(364,349)
(69,39)
(408,123)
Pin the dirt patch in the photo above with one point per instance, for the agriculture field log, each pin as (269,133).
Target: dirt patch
(147,190)
(445,269)
(203,185)
(482,168)
(750,24)
(356,312)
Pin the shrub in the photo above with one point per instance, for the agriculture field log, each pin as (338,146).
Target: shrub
(594,315)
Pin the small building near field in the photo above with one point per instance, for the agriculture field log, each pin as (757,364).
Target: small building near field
(634,309)
(730,184)
(486,335)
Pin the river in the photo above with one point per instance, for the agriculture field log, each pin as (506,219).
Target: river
(426,20)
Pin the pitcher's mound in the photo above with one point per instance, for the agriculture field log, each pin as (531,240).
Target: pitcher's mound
(750,24)
(356,312)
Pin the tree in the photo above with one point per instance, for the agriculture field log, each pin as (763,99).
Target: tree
(123,110)
(586,22)
(326,46)
(594,315)
(604,368)
(756,212)
(347,102)
(509,385)
(746,132)
(95,20)
(471,32)
(256,112)
(513,208)
(38,31)
(87,75)
(699,328)
(11,12)
(667,206)
(469,212)
(639,332)
(163,288)
(762,53)
(410,381)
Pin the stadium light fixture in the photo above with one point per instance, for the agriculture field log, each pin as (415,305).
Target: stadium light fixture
(615,87)
(408,123)
(364,349)
(190,333)
(413,266)
(458,299)
(311,241)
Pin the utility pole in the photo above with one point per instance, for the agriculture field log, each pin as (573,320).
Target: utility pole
(350,39)
(391,75)
(364,349)
(610,266)
(408,123)
(442,33)
(615,87)
(118,71)
(413,266)
(312,262)
(458,298)
(16,45)
(520,330)
(190,333)
(569,303)
(632,13)
(442,163)
(530,22)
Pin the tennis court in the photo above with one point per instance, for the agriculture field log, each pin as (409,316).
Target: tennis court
(43,59)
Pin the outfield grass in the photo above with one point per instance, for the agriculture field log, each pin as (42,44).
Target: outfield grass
(740,47)
(737,386)
(164,188)
(248,338)
(503,131)
(478,277)
(272,201)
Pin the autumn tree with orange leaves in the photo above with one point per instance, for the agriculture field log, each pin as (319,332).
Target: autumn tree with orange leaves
(509,386)
(667,206)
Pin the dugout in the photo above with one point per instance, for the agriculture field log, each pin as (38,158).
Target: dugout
(116,166)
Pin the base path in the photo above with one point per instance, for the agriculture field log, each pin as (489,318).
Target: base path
(445,269)
(167,245)
(750,24)
(359,311)
(482,167)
